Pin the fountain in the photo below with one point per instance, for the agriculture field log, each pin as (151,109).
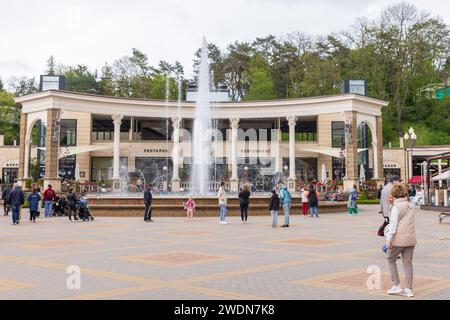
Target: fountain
(201,141)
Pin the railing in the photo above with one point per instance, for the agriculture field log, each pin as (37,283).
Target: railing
(213,186)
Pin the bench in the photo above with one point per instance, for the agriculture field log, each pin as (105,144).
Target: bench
(443,215)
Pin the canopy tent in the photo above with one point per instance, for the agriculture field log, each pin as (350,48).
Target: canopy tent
(334,152)
(70,151)
(442,176)
(416,180)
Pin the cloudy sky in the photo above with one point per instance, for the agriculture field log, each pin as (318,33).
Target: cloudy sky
(94,32)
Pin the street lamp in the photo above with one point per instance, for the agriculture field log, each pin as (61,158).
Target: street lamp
(411,137)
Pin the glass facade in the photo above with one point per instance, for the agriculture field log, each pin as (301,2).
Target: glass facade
(305,168)
(102,168)
(68,133)
(337,134)
(304,130)
(67,167)
(154,171)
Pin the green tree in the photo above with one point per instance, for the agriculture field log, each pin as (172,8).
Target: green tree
(9,117)
(51,63)
(80,79)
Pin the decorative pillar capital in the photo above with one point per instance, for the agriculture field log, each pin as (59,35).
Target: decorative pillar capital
(176,122)
(117,118)
(292,120)
(234,122)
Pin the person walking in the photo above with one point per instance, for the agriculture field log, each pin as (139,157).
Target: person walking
(33,199)
(244,201)
(49,198)
(304,197)
(148,199)
(385,194)
(412,194)
(352,199)
(16,200)
(38,190)
(190,208)
(72,201)
(286,201)
(380,189)
(274,207)
(401,239)
(313,202)
(222,196)
(5,196)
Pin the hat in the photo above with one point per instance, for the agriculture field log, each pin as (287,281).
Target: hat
(396,178)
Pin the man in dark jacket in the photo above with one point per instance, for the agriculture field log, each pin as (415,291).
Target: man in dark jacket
(16,200)
(148,204)
(5,196)
(72,204)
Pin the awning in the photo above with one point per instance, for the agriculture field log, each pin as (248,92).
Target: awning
(334,152)
(70,151)
(416,180)
(442,176)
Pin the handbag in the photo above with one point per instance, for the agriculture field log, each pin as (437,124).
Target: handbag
(384,228)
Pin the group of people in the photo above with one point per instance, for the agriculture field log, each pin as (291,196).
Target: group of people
(14,198)
(280,198)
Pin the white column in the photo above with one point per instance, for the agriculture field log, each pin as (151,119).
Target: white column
(26,165)
(234,136)
(440,171)
(375,159)
(410,165)
(292,120)
(176,123)
(117,118)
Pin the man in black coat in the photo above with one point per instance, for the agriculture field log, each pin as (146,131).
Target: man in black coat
(16,200)
(72,204)
(148,204)
(5,196)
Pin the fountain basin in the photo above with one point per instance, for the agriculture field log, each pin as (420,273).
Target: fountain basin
(172,206)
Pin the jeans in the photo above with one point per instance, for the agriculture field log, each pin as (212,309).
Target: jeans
(5,207)
(148,212)
(73,209)
(286,209)
(223,212)
(33,215)
(274,214)
(313,212)
(48,208)
(244,211)
(15,213)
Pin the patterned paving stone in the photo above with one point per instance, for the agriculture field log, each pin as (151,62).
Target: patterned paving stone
(124,258)
(176,259)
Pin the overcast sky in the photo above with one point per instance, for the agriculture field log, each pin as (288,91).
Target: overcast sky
(93,32)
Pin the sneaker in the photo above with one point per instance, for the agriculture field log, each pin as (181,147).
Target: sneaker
(395,290)
(224,222)
(407,293)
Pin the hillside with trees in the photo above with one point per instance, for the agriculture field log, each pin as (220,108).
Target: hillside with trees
(402,54)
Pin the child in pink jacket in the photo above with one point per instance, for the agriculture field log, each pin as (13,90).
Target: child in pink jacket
(190,207)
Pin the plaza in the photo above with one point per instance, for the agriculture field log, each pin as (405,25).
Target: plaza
(124,258)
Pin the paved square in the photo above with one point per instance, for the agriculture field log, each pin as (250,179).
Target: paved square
(125,258)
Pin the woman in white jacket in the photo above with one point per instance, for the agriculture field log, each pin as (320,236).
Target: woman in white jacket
(222,195)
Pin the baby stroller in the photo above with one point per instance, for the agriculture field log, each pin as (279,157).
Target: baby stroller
(83,210)
(60,206)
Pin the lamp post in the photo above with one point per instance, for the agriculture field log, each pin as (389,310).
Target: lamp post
(411,137)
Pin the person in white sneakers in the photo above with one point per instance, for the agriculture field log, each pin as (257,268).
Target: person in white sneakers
(222,195)
(401,239)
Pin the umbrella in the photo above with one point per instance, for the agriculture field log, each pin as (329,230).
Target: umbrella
(77,172)
(362,173)
(324,173)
